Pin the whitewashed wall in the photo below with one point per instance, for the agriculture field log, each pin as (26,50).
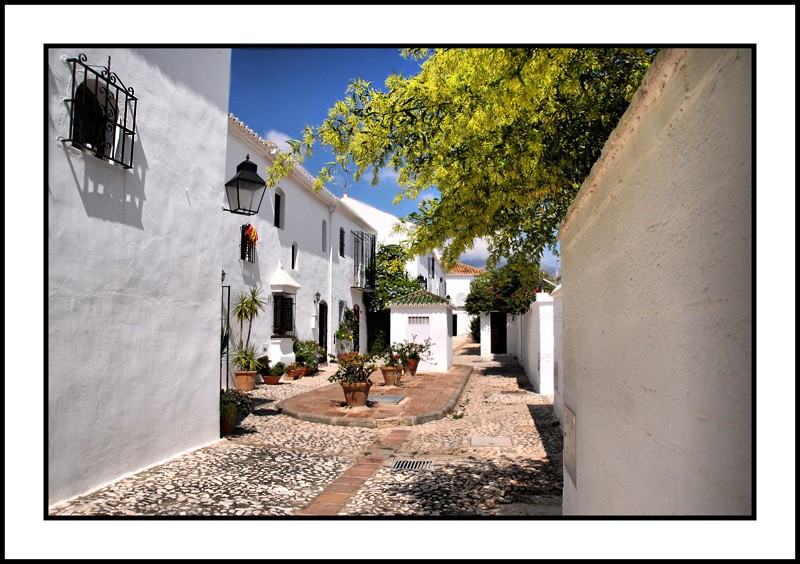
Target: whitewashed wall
(342,271)
(133,272)
(316,269)
(486,334)
(303,214)
(441,354)
(657,299)
(558,354)
(419,265)
(513,334)
(463,320)
(458,290)
(533,336)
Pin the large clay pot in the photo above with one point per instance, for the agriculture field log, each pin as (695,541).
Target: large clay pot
(356,393)
(227,420)
(410,366)
(245,380)
(392,374)
(272,379)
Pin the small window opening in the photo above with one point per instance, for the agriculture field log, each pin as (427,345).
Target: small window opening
(248,243)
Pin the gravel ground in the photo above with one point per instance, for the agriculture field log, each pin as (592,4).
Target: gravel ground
(471,480)
(275,465)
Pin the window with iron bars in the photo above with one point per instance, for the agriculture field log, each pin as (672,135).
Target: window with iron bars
(102,119)
(363,260)
(247,246)
(283,314)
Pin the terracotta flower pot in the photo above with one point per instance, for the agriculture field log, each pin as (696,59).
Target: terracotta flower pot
(272,379)
(296,373)
(392,374)
(356,393)
(227,420)
(245,379)
(410,366)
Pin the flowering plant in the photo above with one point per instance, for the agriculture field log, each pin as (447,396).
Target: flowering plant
(391,357)
(346,332)
(411,350)
(353,367)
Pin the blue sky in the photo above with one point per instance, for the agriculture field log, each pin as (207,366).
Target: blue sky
(278,91)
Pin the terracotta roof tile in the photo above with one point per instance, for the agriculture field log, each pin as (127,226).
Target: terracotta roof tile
(420,297)
(461,268)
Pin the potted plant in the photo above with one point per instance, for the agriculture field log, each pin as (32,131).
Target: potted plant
(353,374)
(233,404)
(265,371)
(391,368)
(308,355)
(247,308)
(294,371)
(278,370)
(346,332)
(227,414)
(246,362)
(411,353)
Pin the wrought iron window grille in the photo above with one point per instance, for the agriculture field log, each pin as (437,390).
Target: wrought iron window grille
(283,314)
(247,246)
(102,117)
(364,260)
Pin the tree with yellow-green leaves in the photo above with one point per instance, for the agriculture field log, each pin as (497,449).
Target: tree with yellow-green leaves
(506,136)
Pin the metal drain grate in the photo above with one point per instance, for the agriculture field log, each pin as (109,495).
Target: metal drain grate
(412,465)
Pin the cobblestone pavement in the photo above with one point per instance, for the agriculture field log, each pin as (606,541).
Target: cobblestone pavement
(275,465)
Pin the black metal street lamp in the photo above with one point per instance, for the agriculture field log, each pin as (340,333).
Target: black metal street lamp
(246,189)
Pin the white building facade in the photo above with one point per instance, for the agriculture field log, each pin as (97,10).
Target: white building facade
(420,316)
(144,259)
(457,283)
(133,259)
(312,253)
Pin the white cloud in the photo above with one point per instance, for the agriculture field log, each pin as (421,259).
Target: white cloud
(549,260)
(426,195)
(478,253)
(278,138)
(387,174)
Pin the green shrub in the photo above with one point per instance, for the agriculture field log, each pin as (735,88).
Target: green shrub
(308,353)
(262,365)
(278,369)
(475,328)
(236,398)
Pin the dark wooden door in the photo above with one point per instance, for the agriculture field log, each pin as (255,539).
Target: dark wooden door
(323,327)
(499,338)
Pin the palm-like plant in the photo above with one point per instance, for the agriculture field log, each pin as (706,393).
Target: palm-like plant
(255,305)
(246,308)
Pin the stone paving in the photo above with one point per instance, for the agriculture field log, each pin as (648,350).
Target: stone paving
(276,465)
